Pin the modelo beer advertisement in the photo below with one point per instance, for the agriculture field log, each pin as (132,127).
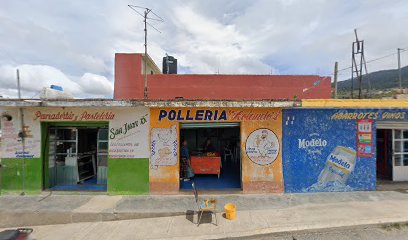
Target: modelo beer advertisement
(320,151)
(332,149)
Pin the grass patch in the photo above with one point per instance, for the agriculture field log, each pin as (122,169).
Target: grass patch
(395,226)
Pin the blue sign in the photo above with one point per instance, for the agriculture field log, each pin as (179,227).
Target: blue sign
(319,149)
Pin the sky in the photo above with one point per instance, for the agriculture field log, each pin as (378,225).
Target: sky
(72,43)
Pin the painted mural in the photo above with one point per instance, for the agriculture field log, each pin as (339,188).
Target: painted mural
(332,149)
(163,147)
(262,146)
(12,146)
(261,134)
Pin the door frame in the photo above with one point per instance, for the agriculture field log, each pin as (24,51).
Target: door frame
(238,125)
(45,144)
(399,172)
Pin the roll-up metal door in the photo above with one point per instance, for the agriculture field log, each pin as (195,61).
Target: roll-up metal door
(208,125)
(392,125)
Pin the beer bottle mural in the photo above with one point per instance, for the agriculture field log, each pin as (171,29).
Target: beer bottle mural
(320,152)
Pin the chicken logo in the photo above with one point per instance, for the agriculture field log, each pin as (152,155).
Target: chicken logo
(262,146)
(163,146)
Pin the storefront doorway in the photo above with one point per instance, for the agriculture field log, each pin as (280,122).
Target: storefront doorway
(215,155)
(384,154)
(76,158)
(392,150)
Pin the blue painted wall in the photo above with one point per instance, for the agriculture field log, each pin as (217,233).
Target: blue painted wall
(327,128)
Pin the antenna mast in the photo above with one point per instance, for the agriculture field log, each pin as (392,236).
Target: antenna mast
(146,12)
(357,68)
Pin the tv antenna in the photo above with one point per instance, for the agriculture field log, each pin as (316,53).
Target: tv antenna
(144,13)
(357,63)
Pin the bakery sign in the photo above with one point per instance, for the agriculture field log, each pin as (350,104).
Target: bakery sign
(74,116)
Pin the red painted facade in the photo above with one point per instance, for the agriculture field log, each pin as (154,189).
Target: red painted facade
(129,84)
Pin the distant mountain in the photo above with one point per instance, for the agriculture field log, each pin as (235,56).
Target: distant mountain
(379,80)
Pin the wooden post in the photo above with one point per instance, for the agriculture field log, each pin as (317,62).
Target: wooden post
(335,79)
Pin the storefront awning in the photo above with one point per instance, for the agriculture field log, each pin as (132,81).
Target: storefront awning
(208,125)
(392,125)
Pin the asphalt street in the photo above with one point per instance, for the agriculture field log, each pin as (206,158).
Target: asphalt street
(394,232)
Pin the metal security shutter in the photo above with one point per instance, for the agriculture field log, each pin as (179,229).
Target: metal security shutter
(208,125)
(392,125)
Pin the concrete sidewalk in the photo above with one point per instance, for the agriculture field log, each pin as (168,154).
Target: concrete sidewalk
(257,214)
(61,209)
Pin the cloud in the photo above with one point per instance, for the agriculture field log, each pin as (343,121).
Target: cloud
(34,77)
(95,84)
(74,43)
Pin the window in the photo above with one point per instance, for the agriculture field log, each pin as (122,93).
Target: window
(400,138)
(102,147)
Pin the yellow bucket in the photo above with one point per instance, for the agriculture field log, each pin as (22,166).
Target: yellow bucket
(230,211)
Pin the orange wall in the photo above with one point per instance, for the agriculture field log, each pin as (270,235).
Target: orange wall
(262,178)
(129,84)
(256,178)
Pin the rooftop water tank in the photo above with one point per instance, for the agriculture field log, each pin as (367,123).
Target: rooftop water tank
(169,65)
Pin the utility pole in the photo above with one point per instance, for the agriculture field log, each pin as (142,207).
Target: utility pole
(399,69)
(18,84)
(145,52)
(21,134)
(145,16)
(357,54)
(335,79)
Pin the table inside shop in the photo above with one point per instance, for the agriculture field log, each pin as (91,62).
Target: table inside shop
(206,164)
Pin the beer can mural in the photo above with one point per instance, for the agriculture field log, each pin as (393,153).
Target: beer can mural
(326,150)
(320,151)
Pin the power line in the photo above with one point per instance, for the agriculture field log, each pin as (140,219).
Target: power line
(373,60)
(144,14)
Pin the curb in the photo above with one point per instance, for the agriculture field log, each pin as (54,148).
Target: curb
(24,218)
(309,227)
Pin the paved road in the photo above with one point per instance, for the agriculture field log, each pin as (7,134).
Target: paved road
(398,232)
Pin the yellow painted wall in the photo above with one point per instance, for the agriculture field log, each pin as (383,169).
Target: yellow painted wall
(262,178)
(355,103)
(255,177)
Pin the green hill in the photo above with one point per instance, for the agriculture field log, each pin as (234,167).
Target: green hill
(380,80)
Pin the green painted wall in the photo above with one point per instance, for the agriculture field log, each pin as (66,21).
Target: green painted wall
(128,176)
(12,175)
(125,176)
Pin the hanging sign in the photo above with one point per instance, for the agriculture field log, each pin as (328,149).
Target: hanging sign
(364,138)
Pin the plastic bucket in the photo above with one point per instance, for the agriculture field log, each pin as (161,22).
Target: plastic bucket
(230,211)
